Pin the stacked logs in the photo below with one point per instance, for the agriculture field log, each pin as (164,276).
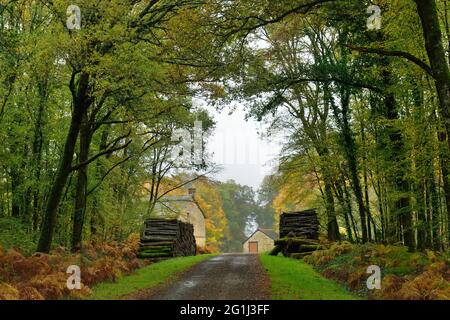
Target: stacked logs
(163,238)
(299,234)
(303,224)
(295,247)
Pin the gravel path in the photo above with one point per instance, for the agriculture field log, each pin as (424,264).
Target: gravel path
(225,277)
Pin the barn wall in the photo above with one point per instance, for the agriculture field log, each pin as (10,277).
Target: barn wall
(199,229)
(198,221)
(265,243)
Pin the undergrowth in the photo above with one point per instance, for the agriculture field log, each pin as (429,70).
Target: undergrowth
(405,275)
(15,235)
(43,276)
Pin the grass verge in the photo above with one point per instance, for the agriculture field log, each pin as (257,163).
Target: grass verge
(295,280)
(145,278)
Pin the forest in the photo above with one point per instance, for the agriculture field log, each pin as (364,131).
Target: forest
(92,95)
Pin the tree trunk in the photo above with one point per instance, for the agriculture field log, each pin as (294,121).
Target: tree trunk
(96,217)
(37,152)
(340,195)
(332,224)
(15,192)
(436,54)
(422,233)
(81,102)
(402,205)
(333,228)
(434,206)
(349,146)
(366,190)
(446,181)
(427,11)
(82,183)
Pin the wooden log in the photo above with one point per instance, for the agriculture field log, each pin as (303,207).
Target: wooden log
(167,237)
(160,248)
(308,248)
(300,241)
(152,238)
(156,243)
(154,255)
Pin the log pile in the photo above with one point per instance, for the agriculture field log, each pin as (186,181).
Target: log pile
(163,238)
(295,247)
(303,224)
(299,234)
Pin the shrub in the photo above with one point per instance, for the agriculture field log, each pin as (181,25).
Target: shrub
(43,276)
(405,275)
(15,235)
(8,292)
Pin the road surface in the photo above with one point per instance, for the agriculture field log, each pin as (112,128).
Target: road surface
(225,277)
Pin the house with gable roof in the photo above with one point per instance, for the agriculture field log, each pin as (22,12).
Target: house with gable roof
(184,208)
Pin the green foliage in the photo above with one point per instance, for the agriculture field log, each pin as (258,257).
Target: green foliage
(365,135)
(14,234)
(241,209)
(402,271)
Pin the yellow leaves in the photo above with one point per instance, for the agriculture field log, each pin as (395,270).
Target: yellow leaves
(209,199)
(8,292)
(51,286)
(427,286)
(406,276)
(431,255)
(215,91)
(30,293)
(321,257)
(298,192)
(84,292)
(390,286)
(357,277)
(439,266)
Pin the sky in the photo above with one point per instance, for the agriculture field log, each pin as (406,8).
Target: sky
(236,146)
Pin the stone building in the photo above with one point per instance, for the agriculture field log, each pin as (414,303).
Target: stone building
(262,240)
(184,208)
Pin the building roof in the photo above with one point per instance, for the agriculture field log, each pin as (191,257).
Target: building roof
(179,200)
(268,232)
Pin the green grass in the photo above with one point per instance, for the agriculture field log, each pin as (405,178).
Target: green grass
(145,278)
(295,280)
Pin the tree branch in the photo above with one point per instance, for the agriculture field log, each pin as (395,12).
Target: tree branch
(107,151)
(360,85)
(394,53)
(107,173)
(182,184)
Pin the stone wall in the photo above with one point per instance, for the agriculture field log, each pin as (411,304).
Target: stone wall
(192,214)
(265,243)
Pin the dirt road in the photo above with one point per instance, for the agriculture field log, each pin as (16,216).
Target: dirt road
(225,277)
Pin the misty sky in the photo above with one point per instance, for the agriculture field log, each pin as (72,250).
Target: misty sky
(237,148)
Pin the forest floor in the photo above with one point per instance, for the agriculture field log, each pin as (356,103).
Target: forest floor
(292,279)
(225,277)
(112,271)
(146,279)
(404,275)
